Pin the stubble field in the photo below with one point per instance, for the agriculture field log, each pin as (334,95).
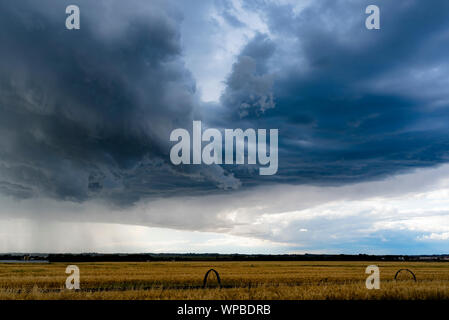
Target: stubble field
(240,281)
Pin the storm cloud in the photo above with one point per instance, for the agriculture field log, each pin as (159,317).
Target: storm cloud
(88,113)
(351,104)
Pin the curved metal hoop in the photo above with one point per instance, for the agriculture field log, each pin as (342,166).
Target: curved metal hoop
(207,275)
(397,273)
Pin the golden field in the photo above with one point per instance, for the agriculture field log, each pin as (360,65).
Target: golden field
(240,280)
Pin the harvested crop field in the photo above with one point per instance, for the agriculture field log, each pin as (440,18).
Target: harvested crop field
(239,280)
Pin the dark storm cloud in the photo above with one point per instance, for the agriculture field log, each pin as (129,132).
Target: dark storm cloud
(350,103)
(88,113)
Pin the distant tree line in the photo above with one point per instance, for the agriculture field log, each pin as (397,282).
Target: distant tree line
(148,257)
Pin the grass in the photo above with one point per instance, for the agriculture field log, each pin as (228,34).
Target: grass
(240,280)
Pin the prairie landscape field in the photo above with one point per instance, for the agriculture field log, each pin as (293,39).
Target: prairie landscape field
(240,280)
